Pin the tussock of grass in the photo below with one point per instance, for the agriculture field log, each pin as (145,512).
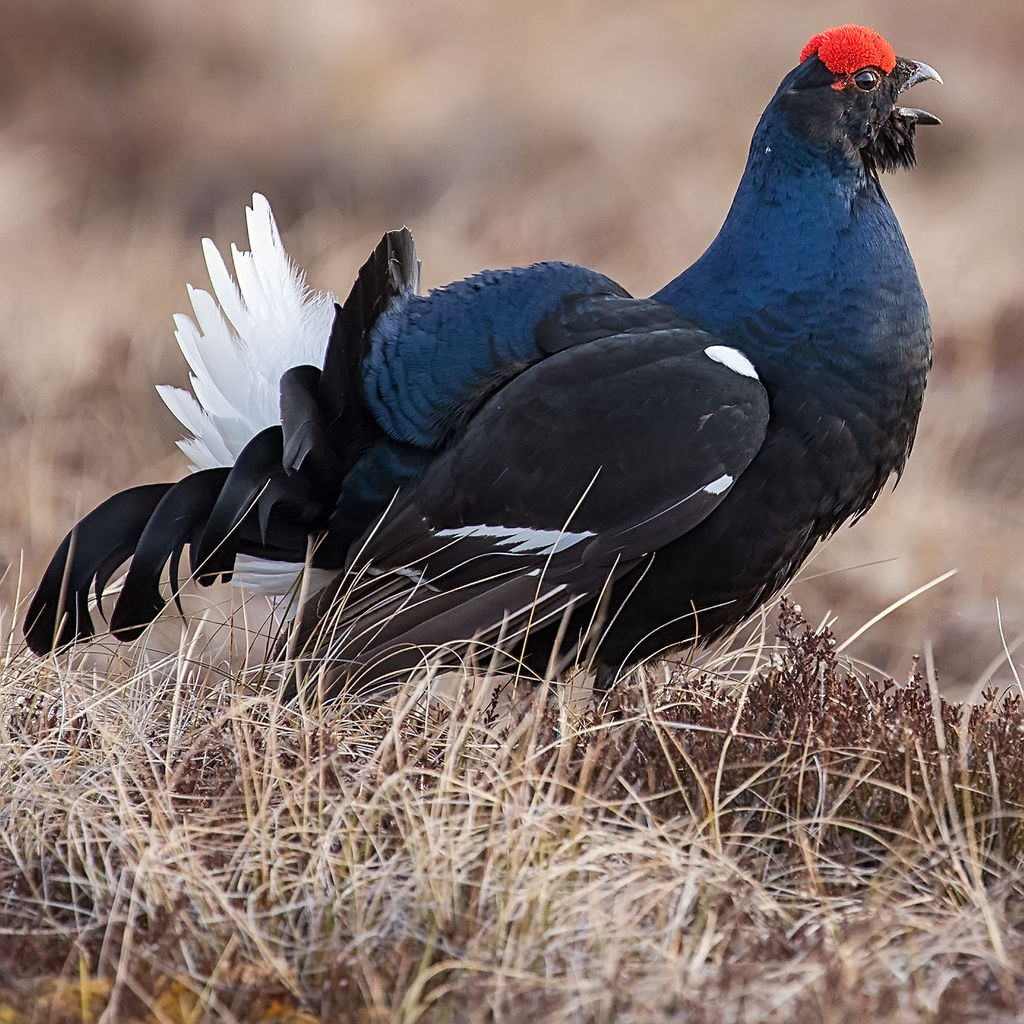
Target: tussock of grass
(767,837)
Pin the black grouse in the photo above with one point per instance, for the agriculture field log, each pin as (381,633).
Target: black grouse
(532,457)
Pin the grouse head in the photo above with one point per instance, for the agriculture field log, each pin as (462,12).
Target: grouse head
(843,96)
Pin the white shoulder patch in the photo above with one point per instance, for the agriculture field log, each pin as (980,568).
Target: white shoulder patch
(244,336)
(719,485)
(733,358)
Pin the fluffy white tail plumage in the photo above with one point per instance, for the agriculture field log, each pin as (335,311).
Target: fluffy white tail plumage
(243,338)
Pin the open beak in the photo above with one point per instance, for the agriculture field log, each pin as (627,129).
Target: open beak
(919,73)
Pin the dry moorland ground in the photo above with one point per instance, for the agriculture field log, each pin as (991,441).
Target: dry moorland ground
(766,838)
(814,847)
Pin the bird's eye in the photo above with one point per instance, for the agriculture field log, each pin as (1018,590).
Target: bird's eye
(867,79)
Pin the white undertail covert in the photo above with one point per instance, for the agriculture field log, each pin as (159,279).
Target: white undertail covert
(244,336)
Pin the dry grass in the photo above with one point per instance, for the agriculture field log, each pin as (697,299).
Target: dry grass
(766,837)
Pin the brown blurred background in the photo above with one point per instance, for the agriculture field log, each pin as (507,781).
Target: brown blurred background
(607,133)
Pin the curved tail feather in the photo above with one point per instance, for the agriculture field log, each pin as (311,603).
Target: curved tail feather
(176,521)
(259,460)
(59,612)
(306,434)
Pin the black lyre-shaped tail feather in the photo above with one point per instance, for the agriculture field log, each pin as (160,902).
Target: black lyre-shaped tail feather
(177,520)
(59,612)
(305,431)
(257,464)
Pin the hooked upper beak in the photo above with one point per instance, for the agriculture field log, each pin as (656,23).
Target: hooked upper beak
(920,72)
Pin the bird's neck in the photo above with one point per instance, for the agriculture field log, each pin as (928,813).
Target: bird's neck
(809,239)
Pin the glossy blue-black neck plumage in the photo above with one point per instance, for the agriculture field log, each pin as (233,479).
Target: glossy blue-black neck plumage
(808,255)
